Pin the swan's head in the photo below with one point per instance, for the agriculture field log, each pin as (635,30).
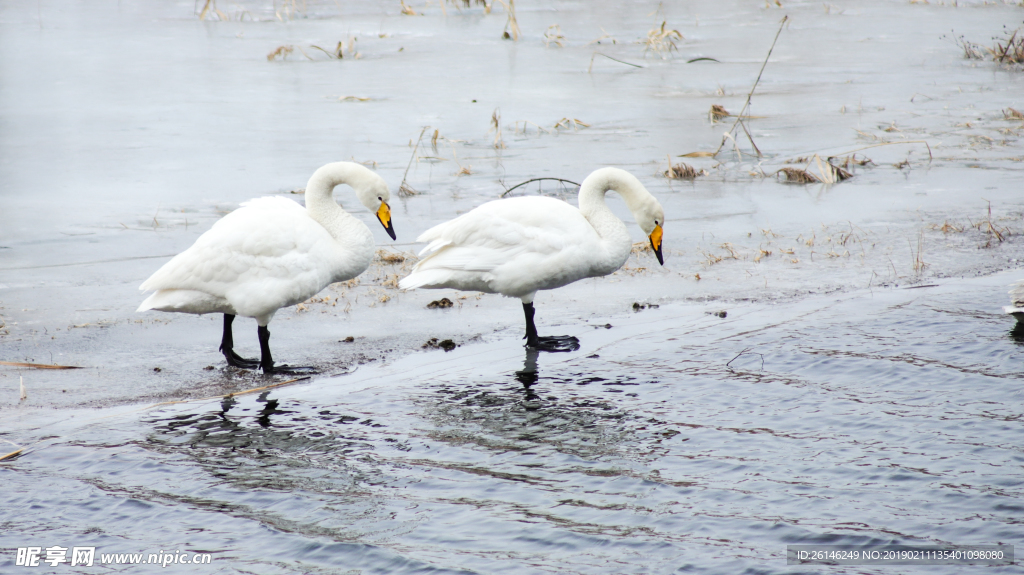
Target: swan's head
(651,217)
(376,197)
(372,191)
(646,210)
(370,188)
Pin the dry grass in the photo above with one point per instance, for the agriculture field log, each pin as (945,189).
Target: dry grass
(1012,52)
(210,8)
(641,248)
(989,227)
(948,228)
(280,52)
(407,10)
(460,4)
(717,113)
(919,264)
(733,254)
(573,123)
(604,36)
(339,51)
(710,259)
(1007,50)
(797,176)
(830,171)
(847,162)
(682,171)
(390,258)
(1011,114)
(499,143)
(463,170)
(526,128)
(553,35)
(288,9)
(661,41)
(511,31)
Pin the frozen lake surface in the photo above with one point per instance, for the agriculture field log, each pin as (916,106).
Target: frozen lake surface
(863,387)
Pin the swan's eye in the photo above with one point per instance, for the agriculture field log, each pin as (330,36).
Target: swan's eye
(380,198)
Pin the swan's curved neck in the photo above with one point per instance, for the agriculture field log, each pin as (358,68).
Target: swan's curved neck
(593,206)
(594,188)
(320,190)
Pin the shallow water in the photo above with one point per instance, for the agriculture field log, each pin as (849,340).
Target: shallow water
(674,441)
(863,386)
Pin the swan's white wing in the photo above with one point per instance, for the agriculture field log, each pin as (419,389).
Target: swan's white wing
(259,258)
(1017,294)
(1017,299)
(514,247)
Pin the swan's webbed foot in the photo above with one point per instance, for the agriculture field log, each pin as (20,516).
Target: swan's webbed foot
(267,361)
(546,343)
(553,343)
(235,360)
(227,344)
(285,369)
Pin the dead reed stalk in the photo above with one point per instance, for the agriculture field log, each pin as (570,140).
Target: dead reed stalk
(499,143)
(404,189)
(746,104)
(38,365)
(511,31)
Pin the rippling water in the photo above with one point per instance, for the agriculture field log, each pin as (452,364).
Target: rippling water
(675,440)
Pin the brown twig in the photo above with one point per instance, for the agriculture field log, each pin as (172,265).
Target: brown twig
(537,180)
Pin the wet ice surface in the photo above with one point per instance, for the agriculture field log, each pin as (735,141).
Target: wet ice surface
(885,417)
(119,157)
(880,414)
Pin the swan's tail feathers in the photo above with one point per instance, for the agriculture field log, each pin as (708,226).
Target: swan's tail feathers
(185,301)
(1016,312)
(434,245)
(1017,294)
(424,278)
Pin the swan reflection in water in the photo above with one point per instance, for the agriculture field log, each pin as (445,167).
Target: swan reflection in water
(529,376)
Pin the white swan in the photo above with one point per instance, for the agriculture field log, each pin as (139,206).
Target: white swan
(271,253)
(519,246)
(1017,298)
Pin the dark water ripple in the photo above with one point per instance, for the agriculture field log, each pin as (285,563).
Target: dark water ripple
(678,446)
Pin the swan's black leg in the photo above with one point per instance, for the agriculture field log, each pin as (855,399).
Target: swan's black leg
(531,328)
(267,362)
(546,343)
(227,344)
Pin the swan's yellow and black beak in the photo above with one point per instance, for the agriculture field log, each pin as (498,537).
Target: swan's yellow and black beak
(655,238)
(384,215)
